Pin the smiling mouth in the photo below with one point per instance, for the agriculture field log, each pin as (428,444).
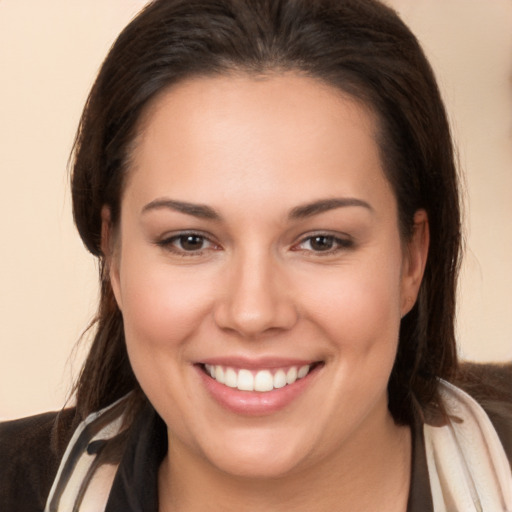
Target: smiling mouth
(261,381)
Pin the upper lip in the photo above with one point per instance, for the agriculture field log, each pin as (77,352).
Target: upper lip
(256,363)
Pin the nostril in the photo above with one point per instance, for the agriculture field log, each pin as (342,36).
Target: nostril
(252,318)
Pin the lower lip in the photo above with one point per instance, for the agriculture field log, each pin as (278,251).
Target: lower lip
(255,403)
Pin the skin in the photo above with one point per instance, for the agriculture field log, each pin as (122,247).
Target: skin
(253,150)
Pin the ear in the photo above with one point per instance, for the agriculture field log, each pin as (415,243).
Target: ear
(415,260)
(110,253)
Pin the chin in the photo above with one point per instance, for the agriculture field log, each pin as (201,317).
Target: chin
(259,458)
(257,467)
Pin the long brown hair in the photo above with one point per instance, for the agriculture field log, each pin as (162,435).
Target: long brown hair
(359,46)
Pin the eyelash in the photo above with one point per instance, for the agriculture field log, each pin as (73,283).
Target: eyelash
(170,244)
(338,244)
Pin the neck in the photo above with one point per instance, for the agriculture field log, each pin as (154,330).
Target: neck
(372,473)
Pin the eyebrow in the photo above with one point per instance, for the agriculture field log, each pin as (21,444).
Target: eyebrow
(324,205)
(299,212)
(196,210)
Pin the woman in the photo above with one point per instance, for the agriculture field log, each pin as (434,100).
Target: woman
(271,192)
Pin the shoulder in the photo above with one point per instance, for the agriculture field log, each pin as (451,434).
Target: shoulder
(491,386)
(30,451)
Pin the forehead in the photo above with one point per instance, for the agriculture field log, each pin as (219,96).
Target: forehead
(207,137)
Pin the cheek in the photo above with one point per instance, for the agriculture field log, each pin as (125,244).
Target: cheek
(358,304)
(163,310)
(161,304)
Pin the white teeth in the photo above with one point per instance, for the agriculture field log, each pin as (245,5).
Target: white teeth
(230,378)
(245,381)
(219,374)
(261,381)
(291,375)
(210,369)
(303,371)
(280,379)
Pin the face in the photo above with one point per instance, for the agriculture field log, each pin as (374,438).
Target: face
(260,272)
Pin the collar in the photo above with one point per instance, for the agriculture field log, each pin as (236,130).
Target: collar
(135,487)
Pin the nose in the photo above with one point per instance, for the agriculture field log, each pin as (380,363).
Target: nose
(256,299)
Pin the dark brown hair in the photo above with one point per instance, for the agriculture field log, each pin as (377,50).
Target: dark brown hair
(360,47)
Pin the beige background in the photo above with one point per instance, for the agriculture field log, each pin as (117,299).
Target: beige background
(49,54)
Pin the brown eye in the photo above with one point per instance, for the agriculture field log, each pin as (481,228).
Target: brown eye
(322,243)
(190,242)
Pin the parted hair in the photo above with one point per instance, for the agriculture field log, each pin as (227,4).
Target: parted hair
(360,47)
